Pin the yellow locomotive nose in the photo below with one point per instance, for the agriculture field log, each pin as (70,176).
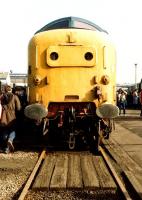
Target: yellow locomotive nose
(72,73)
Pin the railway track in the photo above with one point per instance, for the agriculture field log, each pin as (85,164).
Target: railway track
(76,171)
(129,170)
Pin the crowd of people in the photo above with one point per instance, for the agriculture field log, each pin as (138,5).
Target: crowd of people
(129,99)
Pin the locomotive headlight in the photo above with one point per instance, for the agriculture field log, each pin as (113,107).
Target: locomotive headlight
(105,80)
(37,80)
(88,56)
(54,56)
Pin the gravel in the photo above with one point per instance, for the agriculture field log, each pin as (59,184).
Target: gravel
(14,171)
(72,195)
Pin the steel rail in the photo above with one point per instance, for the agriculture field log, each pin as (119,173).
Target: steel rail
(30,179)
(116,177)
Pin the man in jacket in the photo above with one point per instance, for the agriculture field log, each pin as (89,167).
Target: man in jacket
(10,105)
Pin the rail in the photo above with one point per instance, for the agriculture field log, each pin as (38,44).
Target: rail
(115,175)
(29,181)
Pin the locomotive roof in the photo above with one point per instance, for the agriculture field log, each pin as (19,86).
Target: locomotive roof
(71,22)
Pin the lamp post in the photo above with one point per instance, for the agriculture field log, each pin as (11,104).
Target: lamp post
(136,75)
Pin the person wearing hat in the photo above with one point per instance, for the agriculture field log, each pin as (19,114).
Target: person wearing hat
(10,105)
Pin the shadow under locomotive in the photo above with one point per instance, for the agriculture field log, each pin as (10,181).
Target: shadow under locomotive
(67,126)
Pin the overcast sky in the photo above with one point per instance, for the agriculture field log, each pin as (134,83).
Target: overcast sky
(20,19)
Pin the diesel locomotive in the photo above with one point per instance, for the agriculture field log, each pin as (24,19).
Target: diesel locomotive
(71,83)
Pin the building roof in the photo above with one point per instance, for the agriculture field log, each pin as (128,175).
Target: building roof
(3,75)
(18,75)
(71,22)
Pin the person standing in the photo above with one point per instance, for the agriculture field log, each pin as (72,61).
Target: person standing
(10,105)
(118,97)
(123,102)
(140,98)
(0,105)
(135,99)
